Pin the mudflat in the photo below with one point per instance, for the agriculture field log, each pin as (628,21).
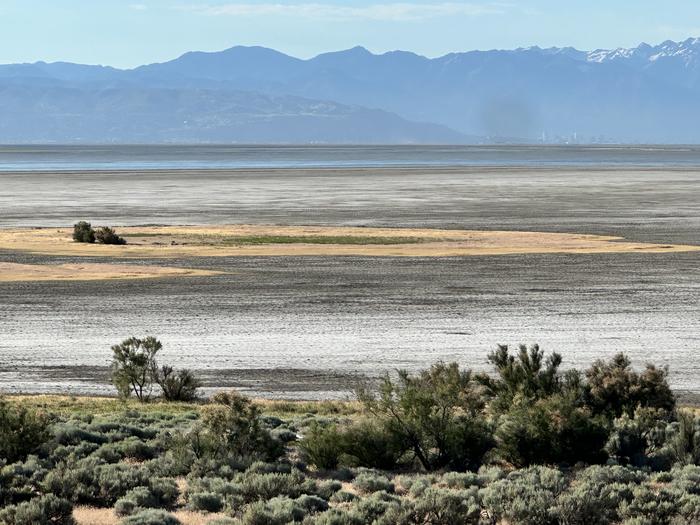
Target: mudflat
(307,325)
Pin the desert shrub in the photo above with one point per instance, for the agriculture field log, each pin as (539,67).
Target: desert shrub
(231,427)
(460,480)
(83,232)
(433,413)
(22,431)
(132,448)
(337,517)
(177,385)
(528,374)
(327,488)
(436,506)
(253,487)
(343,496)
(133,362)
(323,446)
(93,483)
(284,435)
(224,521)
(276,511)
(74,435)
(613,388)
(312,503)
(419,485)
(139,497)
(367,483)
(366,444)
(551,430)
(107,235)
(684,440)
(374,507)
(44,510)
(596,494)
(525,497)
(164,490)
(490,473)
(655,506)
(21,481)
(205,501)
(151,517)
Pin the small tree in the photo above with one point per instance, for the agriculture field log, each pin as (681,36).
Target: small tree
(107,235)
(83,232)
(177,385)
(21,431)
(436,413)
(133,365)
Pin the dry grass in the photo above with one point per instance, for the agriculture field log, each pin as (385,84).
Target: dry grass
(71,405)
(10,272)
(196,241)
(97,516)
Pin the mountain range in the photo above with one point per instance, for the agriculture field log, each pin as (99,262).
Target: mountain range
(647,94)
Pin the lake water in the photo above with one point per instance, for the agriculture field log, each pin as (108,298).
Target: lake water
(158,157)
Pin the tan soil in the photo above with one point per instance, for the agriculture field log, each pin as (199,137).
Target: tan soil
(202,241)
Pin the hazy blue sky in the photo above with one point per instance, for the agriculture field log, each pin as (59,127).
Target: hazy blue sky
(128,33)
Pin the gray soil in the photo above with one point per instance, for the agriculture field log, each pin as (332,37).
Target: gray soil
(311,327)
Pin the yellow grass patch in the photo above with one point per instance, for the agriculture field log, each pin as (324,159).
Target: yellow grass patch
(89,272)
(196,241)
(99,516)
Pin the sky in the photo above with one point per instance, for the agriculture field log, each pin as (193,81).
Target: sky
(126,33)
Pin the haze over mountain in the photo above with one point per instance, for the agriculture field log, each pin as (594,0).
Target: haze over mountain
(253,94)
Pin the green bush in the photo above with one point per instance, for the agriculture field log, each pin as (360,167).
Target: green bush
(107,235)
(436,506)
(177,385)
(22,431)
(656,506)
(205,501)
(43,510)
(525,497)
(151,517)
(83,232)
(276,511)
(435,413)
(133,362)
(613,388)
(367,483)
(551,430)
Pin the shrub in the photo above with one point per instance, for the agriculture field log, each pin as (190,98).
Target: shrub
(327,488)
(525,375)
(551,430)
(684,443)
(83,232)
(231,426)
(151,517)
(180,385)
(277,511)
(44,510)
(368,483)
(205,501)
(613,388)
(323,447)
(525,497)
(133,363)
(656,506)
(21,431)
(429,411)
(437,507)
(107,235)
(460,480)
(343,496)
(312,503)
(253,487)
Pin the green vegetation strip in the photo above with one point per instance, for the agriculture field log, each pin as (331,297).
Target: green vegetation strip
(238,240)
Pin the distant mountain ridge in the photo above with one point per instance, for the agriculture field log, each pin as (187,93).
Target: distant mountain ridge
(250,94)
